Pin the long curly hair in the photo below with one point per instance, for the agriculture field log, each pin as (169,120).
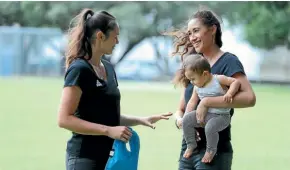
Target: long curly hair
(182,45)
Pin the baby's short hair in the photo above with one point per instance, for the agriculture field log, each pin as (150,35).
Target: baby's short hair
(196,63)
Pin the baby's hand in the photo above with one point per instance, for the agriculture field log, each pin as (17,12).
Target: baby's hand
(201,112)
(228,98)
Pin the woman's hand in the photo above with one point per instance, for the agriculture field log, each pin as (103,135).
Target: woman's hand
(122,133)
(179,123)
(149,121)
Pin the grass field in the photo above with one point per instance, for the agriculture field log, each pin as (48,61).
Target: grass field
(31,139)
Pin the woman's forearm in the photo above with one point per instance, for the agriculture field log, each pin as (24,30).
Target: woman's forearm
(129,120)
(240,100)
(181,109)
(80,126)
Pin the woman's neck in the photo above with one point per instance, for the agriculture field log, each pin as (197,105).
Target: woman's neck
(212,54)
(96,59)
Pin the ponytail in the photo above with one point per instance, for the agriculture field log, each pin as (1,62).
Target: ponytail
(79,44)
(80,35)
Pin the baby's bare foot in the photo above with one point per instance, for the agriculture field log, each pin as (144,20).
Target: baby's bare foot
(208,156)
(187,153)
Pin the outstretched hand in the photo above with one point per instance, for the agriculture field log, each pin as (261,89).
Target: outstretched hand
(149,121)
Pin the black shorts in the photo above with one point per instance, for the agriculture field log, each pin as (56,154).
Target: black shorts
(77,163)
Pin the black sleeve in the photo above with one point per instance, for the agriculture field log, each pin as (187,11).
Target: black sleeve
(233,65)
(75,76)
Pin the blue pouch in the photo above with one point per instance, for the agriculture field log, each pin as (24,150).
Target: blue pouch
(123,159)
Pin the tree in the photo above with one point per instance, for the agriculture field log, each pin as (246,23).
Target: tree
(46,14)
(138,20)
(266,24)
(141,20)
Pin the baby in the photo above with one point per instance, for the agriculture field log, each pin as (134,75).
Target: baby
(198,71)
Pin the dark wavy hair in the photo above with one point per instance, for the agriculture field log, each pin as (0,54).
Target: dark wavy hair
(182,45)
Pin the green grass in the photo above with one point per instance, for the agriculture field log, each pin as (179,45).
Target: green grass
(31,140)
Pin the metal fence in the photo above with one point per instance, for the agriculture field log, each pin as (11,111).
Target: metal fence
(39,52)
(30,51)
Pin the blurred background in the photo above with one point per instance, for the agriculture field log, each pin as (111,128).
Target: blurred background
(32,45)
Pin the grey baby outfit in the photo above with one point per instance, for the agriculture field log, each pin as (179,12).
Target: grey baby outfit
(216,119)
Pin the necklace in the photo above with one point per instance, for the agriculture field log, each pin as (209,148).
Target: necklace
(100,70)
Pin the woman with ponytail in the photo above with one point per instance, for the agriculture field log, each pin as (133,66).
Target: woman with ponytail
(90,101)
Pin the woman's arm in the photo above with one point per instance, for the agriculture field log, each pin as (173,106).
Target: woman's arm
(180,110)
(244,98)
(129,120)
(181,107)
(145,121)
(69,101)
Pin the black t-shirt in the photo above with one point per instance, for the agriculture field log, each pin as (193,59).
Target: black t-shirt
(228,64)
(99,103)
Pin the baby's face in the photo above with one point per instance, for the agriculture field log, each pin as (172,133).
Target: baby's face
(196,79)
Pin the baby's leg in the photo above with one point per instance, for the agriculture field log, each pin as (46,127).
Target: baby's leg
(215,124)
(188,124)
